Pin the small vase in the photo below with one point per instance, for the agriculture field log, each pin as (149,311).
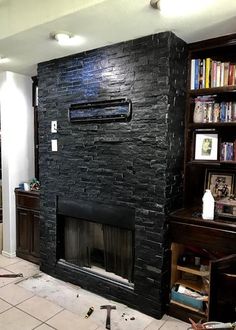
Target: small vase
(198,115)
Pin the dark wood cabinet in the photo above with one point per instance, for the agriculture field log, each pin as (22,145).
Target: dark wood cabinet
(218,236)
(210,111)
(27,225)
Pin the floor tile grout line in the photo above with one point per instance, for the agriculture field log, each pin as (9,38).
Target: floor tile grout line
(24,300)
(163,324)
(14,305)
(14,263)
(43,323)
(36,317)
(6,301)
(7,309)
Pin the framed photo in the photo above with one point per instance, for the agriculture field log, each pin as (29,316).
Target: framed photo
(221,184)
(206,146)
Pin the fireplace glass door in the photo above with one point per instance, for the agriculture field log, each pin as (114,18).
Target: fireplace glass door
(99,246)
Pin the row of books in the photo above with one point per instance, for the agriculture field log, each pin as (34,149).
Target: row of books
(206,110)
(228,151)
(208,73)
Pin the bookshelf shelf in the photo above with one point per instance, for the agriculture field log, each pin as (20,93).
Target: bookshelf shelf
(188,308)
(210,125)
(212,91)
(192,270)
(204,163)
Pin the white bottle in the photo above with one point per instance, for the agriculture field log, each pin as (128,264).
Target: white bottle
(208,205)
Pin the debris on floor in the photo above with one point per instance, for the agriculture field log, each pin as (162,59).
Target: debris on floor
(132,318)
(89,312)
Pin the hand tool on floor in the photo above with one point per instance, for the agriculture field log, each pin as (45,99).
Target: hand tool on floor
(108,320)
(211,325)
(11,275)
(89,312)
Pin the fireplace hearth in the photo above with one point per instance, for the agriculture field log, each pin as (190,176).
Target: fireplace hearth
(96,237)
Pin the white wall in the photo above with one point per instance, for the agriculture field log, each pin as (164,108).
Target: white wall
(17,130)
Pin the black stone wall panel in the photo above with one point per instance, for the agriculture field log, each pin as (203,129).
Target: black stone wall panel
(135,164)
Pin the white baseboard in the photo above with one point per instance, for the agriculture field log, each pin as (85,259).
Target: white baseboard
(8,255)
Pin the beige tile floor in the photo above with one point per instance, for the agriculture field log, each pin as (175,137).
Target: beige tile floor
(41,302)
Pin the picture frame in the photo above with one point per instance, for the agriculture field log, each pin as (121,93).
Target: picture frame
(206,146)
(221,184)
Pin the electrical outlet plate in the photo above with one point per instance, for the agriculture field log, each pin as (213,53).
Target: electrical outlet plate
(53,126)
(54,145)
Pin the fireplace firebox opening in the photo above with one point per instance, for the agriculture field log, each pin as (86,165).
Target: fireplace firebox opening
(97,237)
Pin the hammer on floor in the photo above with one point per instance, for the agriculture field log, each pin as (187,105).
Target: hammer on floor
(108,320)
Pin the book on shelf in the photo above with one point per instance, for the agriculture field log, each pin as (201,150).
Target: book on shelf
(225,71)
(223,112)
(218,74)
(196,74)
(227,151)
(213,73)
(192,81)
(222,74)
(202,69)
(216,112)
(208,72)
(233,111)
(231,74)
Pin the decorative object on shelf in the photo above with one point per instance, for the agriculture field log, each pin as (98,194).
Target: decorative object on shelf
(226,207)
(34,184)
(221,184)
(26,186)
(206,146)
(208,205)
(198,115)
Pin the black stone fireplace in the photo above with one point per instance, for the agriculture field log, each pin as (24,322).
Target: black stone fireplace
(96,237)
(117,179)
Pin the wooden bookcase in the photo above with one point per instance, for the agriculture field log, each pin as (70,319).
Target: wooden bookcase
(187,228)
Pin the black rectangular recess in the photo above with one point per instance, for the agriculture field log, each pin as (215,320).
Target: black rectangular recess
(103,111)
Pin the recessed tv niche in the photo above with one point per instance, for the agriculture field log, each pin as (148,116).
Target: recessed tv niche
(103,111)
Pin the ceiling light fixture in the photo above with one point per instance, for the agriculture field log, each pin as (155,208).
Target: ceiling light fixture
(155,4)
(4,60)
(66,39)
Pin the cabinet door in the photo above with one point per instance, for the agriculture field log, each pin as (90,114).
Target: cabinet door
(22,224)
(222,299)
(35,222)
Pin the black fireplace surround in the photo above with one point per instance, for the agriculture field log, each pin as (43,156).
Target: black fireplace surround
(132,167)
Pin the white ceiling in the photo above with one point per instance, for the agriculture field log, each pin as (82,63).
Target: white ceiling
(25,26)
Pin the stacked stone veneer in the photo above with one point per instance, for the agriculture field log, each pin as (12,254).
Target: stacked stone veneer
(136,164)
